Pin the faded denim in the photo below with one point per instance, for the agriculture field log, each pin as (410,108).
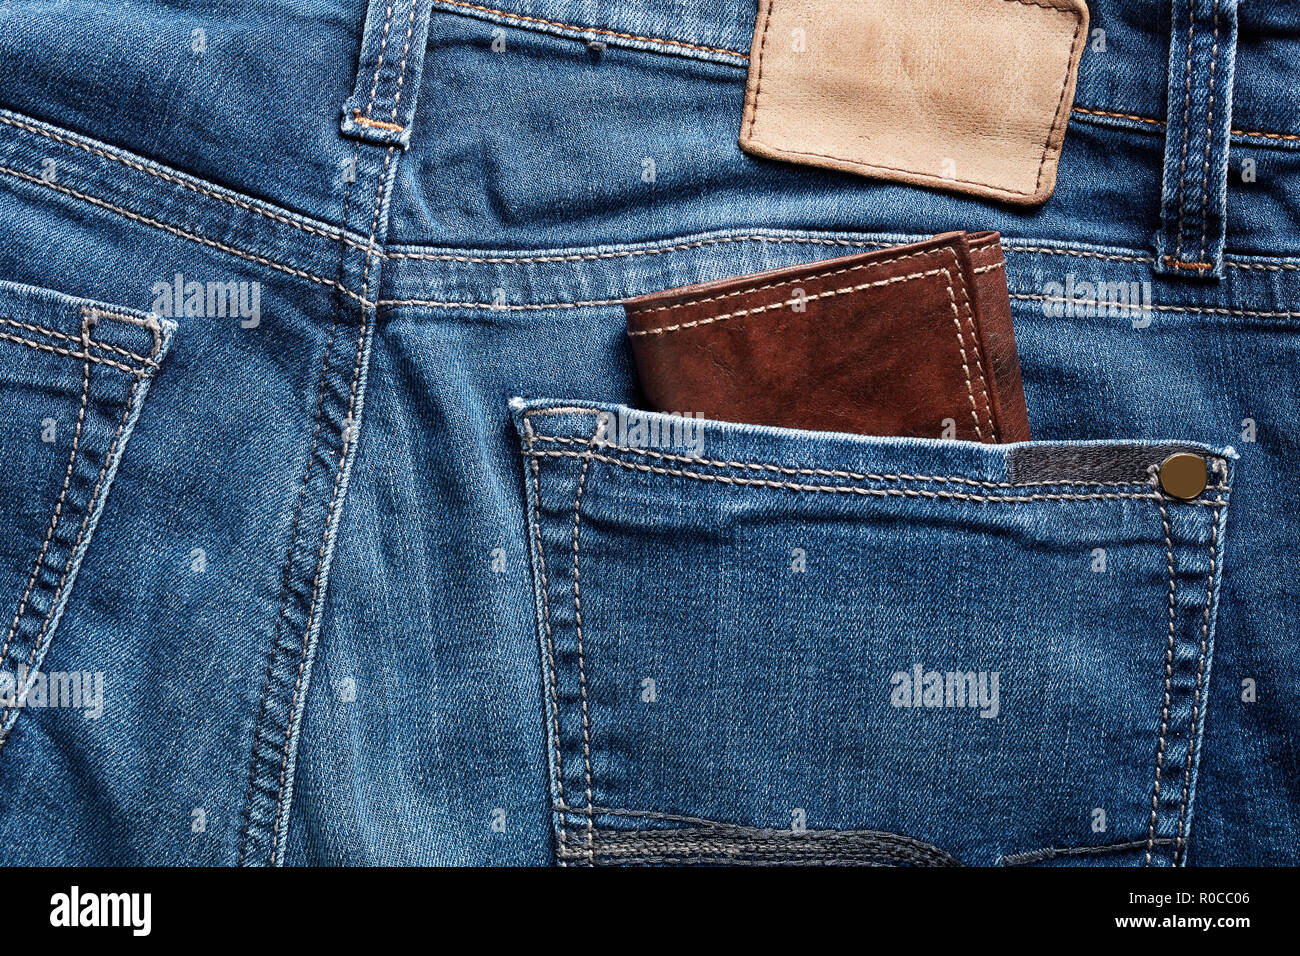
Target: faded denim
(315,369)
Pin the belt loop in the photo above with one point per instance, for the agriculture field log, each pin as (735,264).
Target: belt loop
(392,54)
(1202,53)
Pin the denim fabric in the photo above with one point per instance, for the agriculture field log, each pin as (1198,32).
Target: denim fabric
(319,452)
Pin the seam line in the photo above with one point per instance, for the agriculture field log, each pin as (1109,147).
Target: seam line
(867,492)
(1169,675)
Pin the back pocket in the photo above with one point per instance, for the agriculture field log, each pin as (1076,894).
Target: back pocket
(763,645)
(73,377)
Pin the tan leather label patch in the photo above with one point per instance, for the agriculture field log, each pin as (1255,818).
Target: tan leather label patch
(971,96)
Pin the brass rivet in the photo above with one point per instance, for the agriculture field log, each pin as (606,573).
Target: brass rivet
(1183,475)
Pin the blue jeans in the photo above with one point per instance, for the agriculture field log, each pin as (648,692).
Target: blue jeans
(323,539)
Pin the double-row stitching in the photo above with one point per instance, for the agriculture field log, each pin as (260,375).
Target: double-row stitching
(349,427)
(760,309)
(598,31)
(1209,134)
(830,273)
(1159,122)
(379,63)
(91,343)
(178,181)
(535,521)
(175,230)
(831,473)
(582,662)
(1169,677)
(63,492)
(855,490)
(69,353)
(91,505)
(955,270)
(401,72)
(1191,309)
(631,253)
(1182,164)
(285,579)
(1193,736)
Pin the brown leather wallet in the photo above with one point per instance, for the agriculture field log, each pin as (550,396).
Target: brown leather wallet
(914,340)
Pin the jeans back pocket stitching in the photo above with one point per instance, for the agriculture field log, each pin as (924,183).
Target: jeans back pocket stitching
(63,493)
(1169,676)
(91,507)
(535,528)
(577,620)
(1194,733)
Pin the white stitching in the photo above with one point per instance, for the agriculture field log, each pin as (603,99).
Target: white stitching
(786,283)
(177,181)
(582,664)
(1182,166)
(63,492)
(1193,738)
(379,64)
(81,532)
(90,343)
(1169,676)
(46,347)
(1158,308)
(535,521)
(145,220)
(975,347)
(1209,134)
(401,74)
(628,253)
(853,489)
(822,472)
(495,307)
(825,294)
(347,444)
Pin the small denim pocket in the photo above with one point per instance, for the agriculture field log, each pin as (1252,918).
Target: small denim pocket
(73,377)
(766,645)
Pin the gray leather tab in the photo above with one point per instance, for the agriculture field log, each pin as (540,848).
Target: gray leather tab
(1044,462)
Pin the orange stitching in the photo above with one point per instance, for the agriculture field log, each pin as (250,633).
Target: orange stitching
(597,30)
(744,56)
(1180,264)
(1242,132)
(1159,122)
(378,124)
(1127,116)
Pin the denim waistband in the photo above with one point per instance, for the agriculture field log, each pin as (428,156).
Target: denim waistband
(1128,49)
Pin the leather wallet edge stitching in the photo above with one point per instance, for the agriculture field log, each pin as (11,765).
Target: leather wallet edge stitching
(750,290)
